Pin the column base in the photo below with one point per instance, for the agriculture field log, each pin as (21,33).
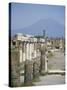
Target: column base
(43,72)
(28,84)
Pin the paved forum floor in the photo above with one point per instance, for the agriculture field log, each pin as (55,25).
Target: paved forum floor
(56,62)
(51,80)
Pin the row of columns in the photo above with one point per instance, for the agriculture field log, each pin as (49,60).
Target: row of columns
(31,72)
(31,69)
(27,51)
(34,69)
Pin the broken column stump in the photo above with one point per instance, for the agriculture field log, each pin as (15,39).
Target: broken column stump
(28,73)
(14,69)
(36,71)
(42,65)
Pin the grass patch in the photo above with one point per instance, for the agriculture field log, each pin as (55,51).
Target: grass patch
(50,54)
(44,73)
(27,85)
(36,80)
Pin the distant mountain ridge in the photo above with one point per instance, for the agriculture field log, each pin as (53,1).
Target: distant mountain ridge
(52,28)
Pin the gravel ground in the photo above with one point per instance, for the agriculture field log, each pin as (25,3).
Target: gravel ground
(57,62)
(48,80)
(51,80)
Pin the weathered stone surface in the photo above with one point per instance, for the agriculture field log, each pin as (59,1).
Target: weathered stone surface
(28,74)
(15,72)
(42,65)
(36,70)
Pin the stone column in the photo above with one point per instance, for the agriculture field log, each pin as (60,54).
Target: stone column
(36,70)
(35,54)
(24,51)
(28,74)
(15,72)
(30,51)
(42,65)
(27,51)
(21,53)
(46,62)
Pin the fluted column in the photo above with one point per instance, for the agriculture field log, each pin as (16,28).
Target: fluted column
(46,62)
(27,49)
(35,53)
(24,51)
(21,53)
(30,51)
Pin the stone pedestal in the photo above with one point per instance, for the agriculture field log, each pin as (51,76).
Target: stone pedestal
(28,74)
(15,72)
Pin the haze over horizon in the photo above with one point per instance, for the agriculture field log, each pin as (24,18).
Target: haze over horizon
(34,18)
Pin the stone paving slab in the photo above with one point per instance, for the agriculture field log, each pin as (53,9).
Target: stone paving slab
(56,71)
(57,61)
(51,80)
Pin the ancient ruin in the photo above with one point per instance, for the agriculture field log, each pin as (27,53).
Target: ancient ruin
(32,52)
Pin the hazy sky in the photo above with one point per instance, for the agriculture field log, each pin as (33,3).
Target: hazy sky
(23,15)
